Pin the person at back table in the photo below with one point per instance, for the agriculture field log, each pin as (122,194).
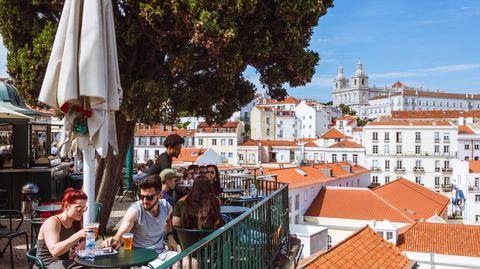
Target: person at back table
(169,177)
(214,176)
(173,145)
(141,174)
(62,234)
(200,210)
(149,221)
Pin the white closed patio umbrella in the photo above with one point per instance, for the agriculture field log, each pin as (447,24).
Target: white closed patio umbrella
(7,113)
(82,80)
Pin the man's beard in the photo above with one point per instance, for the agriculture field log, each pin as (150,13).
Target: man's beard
(151,207)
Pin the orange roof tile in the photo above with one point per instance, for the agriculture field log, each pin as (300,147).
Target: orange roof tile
(416,201)
(228,124)
(333,133)
(417,93)
(474,166)
(464,129)
(288,100)
(363,249)
(271,143)
(357,129)
(398,84)
(190,154)
(434,114)
(310,144)
(346,144)
(158,132)
(409,123)
(441,238)
(354,203)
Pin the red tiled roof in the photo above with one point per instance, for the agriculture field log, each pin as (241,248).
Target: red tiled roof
(190,154)
(357,129)
(409,123)
(363,249)
(398,84)
(440,238)
(346,144)
(354,203)
(474,166)
(415,201)
(418,93)
(288,100)
(228,124)
(272,143)
(310,144)
(464,129)
(434,114)
(333,133)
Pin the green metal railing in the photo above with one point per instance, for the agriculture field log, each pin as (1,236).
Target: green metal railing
(251,240)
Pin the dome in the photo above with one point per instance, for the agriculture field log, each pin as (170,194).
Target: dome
(340,75)
(359,72)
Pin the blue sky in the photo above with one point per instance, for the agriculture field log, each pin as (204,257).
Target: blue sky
(427,43)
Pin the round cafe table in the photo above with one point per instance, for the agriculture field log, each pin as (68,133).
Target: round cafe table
(123,259)
(233,210)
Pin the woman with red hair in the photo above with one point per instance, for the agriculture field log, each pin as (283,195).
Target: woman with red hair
(60,234)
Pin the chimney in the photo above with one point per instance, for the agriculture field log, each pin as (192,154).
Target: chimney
(326,171)
(347,168)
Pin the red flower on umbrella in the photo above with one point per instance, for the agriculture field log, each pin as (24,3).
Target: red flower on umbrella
(65,107)
(87,113)
(78,109)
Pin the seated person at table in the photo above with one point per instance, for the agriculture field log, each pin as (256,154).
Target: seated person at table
(149,221)
(169,177)
(214,177)
(142,172)
(62,234)
(200,210)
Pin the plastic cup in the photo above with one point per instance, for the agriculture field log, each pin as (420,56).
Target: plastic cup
(127,241)
(95,226)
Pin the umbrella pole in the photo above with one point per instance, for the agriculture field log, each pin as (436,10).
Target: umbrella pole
(88,177)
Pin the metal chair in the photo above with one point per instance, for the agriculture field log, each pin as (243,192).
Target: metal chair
(12,232)
(189,237)
(33,259)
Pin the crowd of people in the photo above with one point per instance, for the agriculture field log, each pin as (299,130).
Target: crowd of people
(188,198)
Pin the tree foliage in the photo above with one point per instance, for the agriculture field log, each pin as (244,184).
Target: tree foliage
(179,55)
(346,110)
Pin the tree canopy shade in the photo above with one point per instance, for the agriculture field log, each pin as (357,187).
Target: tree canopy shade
(175,56)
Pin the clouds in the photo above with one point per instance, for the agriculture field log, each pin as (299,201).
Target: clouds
(3,60)
(427,71)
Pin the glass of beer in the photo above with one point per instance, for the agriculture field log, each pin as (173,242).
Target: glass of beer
(127,241)
(95,227)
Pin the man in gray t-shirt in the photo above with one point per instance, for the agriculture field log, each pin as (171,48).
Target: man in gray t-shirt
(149,221)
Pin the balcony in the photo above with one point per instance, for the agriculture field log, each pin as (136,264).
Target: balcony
(446,140)
(387,140)
(447,170)
(437,186)
(418,140)
(374,140)
(437,169)
(375,169)
(418,170)
(252,240)
(399,169)
(474,189)
(447,187)
(437,140)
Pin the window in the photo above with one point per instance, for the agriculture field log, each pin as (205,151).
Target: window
(224,155)
(417,136)
(446,137)
(268,131)
(200,141)
(145,154)
(477,218)
(437,165)
(344,157)
(437,149)
(446,180)
(230,142)
(153,141)
(467,146)
(223,142)
(399,163)
(355,158)
(418,180)
(437,181)
(387,136)
(437,137)
(446,164)
(389,235)
(476,146)
(297,219)
(230,155)
(240,157)
(375,136)
(467,158)
(214,142)
(374,179)
(267,120)
(289,204)
(417,149)
(477,182)
(375,149)
(446,148)
(329,242)
(297,201)
(143,141)
(418,163)
(310,126)
(398,137)
(477,198)
(280,133)
(334,158)
(380,233)
(310,116)
(387,165)
(387,149)
(375,163)
(399,149)
(387,179)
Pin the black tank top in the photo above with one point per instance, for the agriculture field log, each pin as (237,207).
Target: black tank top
(42,250)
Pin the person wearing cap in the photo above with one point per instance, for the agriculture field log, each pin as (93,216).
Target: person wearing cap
(173,146)
(168,177)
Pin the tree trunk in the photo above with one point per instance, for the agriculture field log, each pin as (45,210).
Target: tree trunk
(112,168)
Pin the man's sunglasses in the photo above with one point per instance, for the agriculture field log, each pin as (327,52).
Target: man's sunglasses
(210,172)
(148,197)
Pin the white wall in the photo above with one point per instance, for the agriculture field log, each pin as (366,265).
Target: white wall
(440,261)
(313,238)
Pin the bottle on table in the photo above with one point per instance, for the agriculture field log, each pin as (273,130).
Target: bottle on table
(90,245)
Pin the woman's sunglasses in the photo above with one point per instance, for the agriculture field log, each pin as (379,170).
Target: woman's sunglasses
(148,197)
(80,208)
(210,172)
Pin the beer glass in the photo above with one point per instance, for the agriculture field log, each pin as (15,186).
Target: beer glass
(127,241)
